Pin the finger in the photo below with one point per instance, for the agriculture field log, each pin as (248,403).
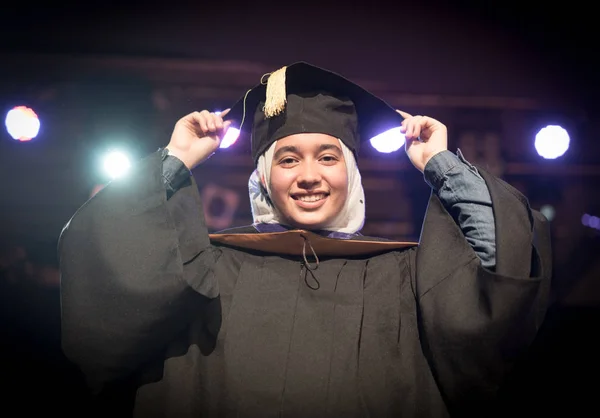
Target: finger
(210,121)
(409,128)
(223,131)
(224,113)
(218,122)
(404,126)
(417,127)
(408,143)
(405,123)
(404,114)
(200,119)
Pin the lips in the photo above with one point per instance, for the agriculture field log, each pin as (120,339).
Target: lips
(310,200)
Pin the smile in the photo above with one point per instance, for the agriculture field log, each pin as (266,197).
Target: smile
(310,197)
(310,201)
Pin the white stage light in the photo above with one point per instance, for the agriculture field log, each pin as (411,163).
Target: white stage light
(116,164)
(388,141)
(22,123)
(552,142)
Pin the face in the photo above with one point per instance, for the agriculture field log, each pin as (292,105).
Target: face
(309,182)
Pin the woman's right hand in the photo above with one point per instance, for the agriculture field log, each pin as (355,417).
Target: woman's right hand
(197,136)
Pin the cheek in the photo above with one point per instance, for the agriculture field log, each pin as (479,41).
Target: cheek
(339,182)
(280,184)
(342,194)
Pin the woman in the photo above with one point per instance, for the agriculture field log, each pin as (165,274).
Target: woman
(299,314)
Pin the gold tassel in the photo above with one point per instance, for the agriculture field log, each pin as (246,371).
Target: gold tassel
(276,94)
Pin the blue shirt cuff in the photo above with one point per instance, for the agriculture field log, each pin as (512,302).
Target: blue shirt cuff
(440,164)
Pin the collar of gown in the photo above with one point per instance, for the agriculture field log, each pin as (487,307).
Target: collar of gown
(279,239)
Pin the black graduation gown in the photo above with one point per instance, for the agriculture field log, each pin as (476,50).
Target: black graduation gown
(196,328)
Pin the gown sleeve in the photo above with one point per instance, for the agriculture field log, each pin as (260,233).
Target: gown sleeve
(127,289)
(475,322)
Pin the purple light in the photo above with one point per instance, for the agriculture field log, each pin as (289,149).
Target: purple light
(585,220)
(230,137)
(591,221)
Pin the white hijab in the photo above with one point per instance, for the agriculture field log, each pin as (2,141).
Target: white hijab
(350,219)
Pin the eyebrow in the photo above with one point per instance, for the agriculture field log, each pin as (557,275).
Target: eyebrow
(293,149)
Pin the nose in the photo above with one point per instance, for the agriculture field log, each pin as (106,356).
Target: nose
(309,177)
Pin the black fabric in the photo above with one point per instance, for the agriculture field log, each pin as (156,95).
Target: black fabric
(318,101)
(465,319)
(307,113)
(155,313)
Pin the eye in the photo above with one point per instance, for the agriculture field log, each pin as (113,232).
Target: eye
(329,159)
(287,161)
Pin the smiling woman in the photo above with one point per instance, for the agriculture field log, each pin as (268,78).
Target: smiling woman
(299,314)
(308,180)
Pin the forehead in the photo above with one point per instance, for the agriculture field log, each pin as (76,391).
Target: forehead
(307,141)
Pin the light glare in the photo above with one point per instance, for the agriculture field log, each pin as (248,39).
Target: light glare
(389,141)
(552,142)
(548,211)
(116,164)
(22,123)
(230,137)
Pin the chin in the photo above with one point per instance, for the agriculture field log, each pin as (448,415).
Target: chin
(308,223)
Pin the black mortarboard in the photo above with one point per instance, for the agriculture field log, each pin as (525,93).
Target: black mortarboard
(302,98)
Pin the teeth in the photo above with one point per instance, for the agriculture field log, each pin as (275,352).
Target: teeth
(311,198)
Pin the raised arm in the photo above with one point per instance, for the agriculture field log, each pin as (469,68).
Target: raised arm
(480,303)
(464,194)
(136,262)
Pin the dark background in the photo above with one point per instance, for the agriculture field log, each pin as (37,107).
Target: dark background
(104,73)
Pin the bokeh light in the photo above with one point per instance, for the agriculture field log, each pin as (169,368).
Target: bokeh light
(22,123)
(552,142)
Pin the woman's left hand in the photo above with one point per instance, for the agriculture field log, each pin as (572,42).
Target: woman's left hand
(425,137)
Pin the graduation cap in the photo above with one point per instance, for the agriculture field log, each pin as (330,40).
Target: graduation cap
(303,98)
